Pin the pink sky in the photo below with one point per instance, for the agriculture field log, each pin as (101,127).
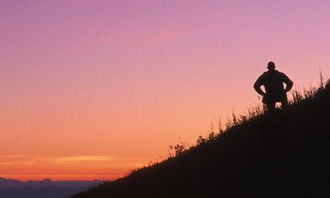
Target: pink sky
(106,86)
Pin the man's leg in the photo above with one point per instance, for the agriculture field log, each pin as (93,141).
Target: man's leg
(270,106)
(284,102)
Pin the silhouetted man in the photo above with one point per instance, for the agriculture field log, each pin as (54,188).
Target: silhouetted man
(273,80)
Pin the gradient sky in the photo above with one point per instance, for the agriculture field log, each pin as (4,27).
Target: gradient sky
(91,89)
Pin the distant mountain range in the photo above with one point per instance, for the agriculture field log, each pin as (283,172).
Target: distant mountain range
(10,188)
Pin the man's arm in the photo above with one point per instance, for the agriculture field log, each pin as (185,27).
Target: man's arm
(257,86)
(288,82)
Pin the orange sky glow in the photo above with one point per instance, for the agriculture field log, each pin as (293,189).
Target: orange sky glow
(94,89)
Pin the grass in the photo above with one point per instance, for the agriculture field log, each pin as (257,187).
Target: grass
(284,154)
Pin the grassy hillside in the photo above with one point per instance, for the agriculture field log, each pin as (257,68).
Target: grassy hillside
(285,154)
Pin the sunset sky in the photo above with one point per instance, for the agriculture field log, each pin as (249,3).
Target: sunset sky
(91,89)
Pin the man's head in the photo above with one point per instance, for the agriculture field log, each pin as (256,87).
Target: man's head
(271,66)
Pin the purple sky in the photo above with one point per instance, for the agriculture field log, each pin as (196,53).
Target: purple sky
(127,78)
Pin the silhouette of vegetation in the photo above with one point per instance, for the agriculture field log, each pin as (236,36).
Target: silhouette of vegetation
(280,154)
(179,149)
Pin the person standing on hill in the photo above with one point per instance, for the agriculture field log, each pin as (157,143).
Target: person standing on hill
(273,80)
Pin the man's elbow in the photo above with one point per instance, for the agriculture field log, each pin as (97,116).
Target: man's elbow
(256,86)
(289,85)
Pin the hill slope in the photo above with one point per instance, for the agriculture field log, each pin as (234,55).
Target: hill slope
(286,154)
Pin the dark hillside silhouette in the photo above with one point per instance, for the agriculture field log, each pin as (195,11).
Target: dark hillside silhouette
(285,154)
